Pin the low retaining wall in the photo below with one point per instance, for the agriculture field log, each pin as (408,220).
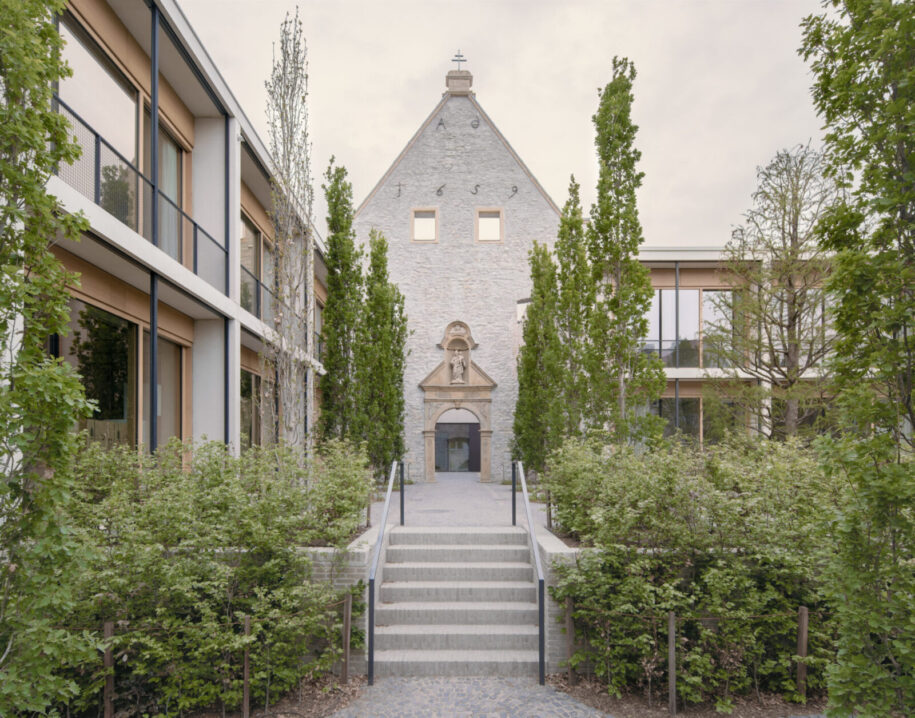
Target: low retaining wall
(346,568)
(554,552)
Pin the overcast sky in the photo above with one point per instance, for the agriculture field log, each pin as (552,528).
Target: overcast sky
(720,88)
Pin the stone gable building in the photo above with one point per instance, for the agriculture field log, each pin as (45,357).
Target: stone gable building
(460,211)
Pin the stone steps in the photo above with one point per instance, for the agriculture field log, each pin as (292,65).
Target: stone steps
(455,663)
(458,591)
(459,571)
(456,637)
(457,602)
(458,553)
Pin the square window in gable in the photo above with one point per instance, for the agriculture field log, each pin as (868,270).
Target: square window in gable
(425,225)
(489,225)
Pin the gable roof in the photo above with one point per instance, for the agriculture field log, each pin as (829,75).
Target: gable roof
(445,97)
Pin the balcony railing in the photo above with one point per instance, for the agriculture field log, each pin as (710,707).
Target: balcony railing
(256,298)
(104,176)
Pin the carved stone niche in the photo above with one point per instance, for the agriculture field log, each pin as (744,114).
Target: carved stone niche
(458,344)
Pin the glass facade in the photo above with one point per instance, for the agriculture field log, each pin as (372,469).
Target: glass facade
(250,248)
(168,411)
(673,327)
(102,347)
(716,306)
(683,414)
(172,223)
(250,434)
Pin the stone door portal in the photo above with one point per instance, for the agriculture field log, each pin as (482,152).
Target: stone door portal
(457,426)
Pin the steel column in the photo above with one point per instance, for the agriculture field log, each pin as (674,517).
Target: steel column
(153,408)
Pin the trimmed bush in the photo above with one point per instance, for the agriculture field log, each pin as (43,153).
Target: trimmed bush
(731,539)
(188,542)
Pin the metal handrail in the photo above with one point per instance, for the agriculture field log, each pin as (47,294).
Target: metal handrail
(374,569)
(518,469)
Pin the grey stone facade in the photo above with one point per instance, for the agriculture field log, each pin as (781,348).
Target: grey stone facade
(457,163)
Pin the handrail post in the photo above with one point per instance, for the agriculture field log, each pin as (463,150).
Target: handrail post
(195,248)
(401,493)
(371,631)
(542,638)
(514,489)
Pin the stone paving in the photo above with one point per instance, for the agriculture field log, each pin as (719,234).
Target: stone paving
(458,499)
(463,698)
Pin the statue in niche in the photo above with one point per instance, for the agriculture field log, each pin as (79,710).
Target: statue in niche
(457,368)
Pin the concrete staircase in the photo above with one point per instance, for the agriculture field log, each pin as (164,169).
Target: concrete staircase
(457,602)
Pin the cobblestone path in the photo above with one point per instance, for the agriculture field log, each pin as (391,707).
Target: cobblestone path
(463,698)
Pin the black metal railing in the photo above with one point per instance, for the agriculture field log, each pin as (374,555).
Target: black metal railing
(518,470)
(378,545)
(107,178)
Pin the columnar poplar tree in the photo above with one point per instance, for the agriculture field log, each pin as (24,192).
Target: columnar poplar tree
(40,398)
(339,392)
(863,59)
(289,358)
(576,298)
(380,358)
(538,418)
(623,378)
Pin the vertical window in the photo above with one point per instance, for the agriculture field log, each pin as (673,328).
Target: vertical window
(489,225)
(250,410)
(673,331)
(102,348)
(251,266)
(171,160)
(319,328)
(688,328)
(682,414)
(717,326)
(668,311)
(168,411)
(425,225)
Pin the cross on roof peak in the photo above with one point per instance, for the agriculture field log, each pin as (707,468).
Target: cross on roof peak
(458,58)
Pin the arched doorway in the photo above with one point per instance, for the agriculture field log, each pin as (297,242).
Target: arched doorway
(457,441)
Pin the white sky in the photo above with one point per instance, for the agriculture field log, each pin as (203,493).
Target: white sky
(720,88)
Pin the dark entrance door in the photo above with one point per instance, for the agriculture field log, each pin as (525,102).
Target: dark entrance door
(457,447)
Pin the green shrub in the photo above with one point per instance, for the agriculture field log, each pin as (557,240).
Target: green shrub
(731,539)
(188,542)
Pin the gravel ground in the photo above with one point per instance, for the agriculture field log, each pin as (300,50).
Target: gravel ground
(463,698)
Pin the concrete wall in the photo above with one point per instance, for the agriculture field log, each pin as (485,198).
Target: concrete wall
(456,164)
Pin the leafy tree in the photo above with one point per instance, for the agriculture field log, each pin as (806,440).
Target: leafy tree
(339,392)
(538,409)
(863,58)
(290,352)
(772,328)
(40,398)
(623,378)
(380,358)
(576,299)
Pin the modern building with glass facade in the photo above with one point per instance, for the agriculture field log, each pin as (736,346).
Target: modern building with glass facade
(173,299)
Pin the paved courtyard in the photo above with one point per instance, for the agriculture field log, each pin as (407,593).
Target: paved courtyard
(458,499)
(463,698)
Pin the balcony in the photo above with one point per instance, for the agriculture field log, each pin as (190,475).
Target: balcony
(108,179)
